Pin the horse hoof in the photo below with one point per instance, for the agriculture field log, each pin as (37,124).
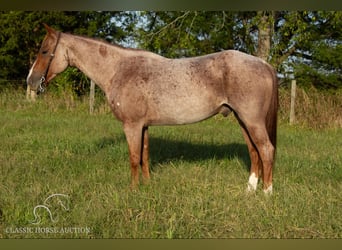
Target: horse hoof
(268,191)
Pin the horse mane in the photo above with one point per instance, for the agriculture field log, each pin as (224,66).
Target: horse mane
(105,42)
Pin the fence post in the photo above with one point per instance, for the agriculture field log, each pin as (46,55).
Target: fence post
(293,101)
(91,96)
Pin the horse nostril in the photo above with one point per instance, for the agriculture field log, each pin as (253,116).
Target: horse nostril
(42,79)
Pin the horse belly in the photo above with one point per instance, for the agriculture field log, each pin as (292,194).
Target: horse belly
(183,110)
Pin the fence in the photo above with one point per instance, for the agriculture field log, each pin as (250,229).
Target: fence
(293,101)
(32,95)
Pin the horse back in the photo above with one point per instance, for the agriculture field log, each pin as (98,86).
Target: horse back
(163,91)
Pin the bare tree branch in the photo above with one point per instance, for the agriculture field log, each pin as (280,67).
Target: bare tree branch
(169,24)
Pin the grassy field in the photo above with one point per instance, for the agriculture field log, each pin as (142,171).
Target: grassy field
(199,176)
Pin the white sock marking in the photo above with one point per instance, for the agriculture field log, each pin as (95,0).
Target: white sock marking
(268,190)
(252,182)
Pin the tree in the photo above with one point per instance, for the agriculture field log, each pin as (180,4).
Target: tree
(307,46)
(22,33)
(265,28)
(301,44)
(186,33)
(319,62)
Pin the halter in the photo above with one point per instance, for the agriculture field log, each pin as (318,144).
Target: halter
(42,84)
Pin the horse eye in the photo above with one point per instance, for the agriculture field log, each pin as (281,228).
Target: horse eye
(44,52)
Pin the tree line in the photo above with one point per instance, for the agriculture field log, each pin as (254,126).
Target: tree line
(305,45)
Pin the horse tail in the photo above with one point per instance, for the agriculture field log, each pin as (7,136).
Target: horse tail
(271,117)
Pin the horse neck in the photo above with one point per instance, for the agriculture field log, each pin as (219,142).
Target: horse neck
(93,58)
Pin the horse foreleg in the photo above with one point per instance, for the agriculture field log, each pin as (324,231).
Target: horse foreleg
(133,134)
(145,154)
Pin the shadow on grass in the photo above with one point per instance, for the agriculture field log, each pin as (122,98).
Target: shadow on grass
(164,150)
(110,141)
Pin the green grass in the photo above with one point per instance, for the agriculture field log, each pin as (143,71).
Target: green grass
(199,174)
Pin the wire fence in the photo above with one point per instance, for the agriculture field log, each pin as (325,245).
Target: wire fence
(12,82)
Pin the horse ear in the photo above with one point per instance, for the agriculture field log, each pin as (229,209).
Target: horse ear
(49,29)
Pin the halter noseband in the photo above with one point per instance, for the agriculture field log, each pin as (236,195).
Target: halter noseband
(52,55)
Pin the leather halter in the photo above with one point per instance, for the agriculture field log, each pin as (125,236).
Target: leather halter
(52,55)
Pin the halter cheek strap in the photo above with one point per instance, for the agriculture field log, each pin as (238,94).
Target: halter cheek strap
(52,55)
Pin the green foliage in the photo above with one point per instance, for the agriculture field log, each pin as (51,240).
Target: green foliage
(305,44)
(186,33)
(318,61)
(324,70)
(22,33)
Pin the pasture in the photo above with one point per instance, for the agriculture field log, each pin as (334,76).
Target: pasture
(198,178)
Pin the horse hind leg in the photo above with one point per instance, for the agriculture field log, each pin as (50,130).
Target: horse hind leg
(261,153)
(145,156)
(263,145)
(256,164)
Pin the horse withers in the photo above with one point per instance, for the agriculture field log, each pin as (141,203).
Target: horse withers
(145,89)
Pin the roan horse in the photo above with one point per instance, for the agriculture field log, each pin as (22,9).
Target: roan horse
(143,89)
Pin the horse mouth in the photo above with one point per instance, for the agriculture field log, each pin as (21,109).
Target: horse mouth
(37,85)
(34,86)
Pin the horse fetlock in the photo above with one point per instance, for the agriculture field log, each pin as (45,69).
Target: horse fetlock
(252,182)
(268,190)
(146,180)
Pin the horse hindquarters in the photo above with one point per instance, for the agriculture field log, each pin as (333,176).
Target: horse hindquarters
(257,116)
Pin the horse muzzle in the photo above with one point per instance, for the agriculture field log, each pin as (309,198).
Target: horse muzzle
(36,83)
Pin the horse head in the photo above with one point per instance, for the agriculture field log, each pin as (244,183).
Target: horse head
(51,60)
